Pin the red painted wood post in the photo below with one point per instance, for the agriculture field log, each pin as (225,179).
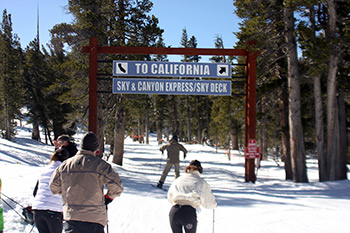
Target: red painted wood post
(250,123)
(93,54)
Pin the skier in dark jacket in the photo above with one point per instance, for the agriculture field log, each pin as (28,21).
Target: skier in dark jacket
(173,148)
(81,181)
(63,141)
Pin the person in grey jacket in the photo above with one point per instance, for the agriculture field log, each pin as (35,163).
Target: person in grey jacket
(186,194)
(173,148)
(81,180)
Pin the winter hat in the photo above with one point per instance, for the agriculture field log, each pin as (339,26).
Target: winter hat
(89,142)
(197,164)
(175,137)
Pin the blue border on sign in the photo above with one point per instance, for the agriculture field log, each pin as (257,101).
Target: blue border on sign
(171,69)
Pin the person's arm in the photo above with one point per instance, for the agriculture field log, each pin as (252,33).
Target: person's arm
(162,149)
(55,182)
(170,193)
(208,200)
(56,144)
(36,188)
(183,149)
(113,183)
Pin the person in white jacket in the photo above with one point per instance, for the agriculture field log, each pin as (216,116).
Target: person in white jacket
(46,206)
(186,194)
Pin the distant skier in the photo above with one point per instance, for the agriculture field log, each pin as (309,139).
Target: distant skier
(81,181)
(47,208)
(64,141)
(186,194)
(173,147)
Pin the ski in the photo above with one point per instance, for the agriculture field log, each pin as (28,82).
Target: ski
(155,186)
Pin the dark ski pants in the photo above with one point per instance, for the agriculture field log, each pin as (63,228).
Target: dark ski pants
(83,227)
(183,216)
(48,221)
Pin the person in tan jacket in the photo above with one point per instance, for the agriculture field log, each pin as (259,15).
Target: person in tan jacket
(173,148)
(186,194)
(81,180)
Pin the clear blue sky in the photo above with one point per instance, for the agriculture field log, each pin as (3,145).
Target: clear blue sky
(204,19)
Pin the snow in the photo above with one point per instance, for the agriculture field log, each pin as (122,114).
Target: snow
(270,205)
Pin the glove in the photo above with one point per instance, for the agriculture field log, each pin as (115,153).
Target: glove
(108,200)
(184,156)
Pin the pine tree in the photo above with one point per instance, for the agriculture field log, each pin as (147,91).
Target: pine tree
(11,71)
(35,81)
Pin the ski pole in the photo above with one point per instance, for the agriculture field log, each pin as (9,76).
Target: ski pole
(213,219)
(32,228)
(13,209)
(11,199)
(107,219)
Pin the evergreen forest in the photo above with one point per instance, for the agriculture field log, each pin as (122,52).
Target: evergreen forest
(303,82)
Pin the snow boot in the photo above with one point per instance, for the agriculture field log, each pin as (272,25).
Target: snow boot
(160,184)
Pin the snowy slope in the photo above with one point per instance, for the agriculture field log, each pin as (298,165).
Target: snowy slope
(270,205)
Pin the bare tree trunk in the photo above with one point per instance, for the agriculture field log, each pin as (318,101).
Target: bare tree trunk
(175,117)
(188,115)
(8,129)
(332,105)
(139,130)
(341,160)
(159,132)
(207,116)
(234,135)
(295,126)
(147,121)
(36,131)
(264,144)
(119,131)
(100,127)
(283,112)
(321,152)
(319,118)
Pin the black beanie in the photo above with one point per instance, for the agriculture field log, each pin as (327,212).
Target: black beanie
(197,164)
(89,142)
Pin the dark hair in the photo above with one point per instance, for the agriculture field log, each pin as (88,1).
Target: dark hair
(195,165)
(64,137)
(60,155)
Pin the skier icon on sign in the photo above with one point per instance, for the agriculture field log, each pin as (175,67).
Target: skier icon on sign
(222,70)
(121,68)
